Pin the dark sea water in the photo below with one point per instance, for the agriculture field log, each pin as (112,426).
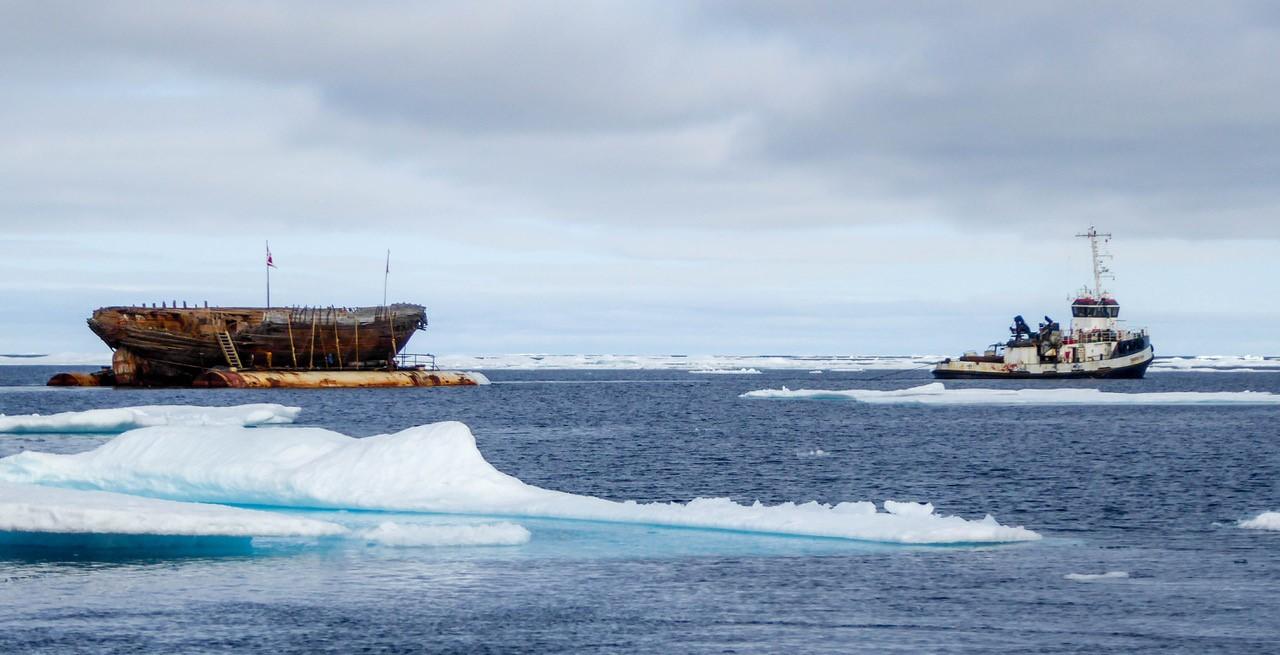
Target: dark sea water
(1153,491)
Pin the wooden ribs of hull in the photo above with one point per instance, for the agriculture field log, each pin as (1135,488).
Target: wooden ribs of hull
(172,346)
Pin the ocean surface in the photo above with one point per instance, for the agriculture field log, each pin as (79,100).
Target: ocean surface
(1152,491)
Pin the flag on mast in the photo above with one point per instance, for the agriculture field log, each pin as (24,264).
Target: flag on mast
(270,265)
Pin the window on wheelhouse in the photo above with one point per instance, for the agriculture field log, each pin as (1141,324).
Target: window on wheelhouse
(1089,308)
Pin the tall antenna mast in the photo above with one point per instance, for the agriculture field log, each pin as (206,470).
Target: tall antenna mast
(386,273)
(1098,268)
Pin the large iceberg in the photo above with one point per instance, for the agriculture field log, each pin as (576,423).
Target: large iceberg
(120,419)
(436,468)
(937,394)
(26,508)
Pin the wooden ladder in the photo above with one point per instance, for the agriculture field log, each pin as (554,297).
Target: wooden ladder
(229,350)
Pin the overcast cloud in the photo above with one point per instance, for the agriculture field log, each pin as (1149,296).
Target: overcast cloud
(647,177)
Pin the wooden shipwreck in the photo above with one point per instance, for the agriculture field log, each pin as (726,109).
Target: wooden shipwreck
(260,347)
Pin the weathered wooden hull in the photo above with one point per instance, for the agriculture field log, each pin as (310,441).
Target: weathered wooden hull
(171,346)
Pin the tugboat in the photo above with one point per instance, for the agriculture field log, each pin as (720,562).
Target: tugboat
(1094,347)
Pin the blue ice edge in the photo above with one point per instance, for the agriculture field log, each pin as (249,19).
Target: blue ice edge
(585,538)
(553,538)
(24,545)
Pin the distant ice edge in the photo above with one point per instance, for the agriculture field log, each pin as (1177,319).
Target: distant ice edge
(437,468)
(936,393)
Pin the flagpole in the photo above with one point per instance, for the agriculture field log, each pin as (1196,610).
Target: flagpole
(385,274)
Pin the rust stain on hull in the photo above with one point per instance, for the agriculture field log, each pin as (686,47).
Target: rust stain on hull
(225,378)
(261,347)
(171,346)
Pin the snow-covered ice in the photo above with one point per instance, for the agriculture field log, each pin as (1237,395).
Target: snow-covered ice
(410,535)
(127,418)
(937,394)
(726,371)
(1217,364)
(38,509)
(1263,521)
(1090,577)
(436,468)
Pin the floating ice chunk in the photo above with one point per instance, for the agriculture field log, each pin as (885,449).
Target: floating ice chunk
(937,394)
(1263,521)
(478,377)
(816,372)
(1090,577)
(127,418)
(434,468)
(487,534)
(36,509)
(813,452)
(726,371)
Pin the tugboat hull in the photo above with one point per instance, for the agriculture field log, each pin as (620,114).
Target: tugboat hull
(1130,366)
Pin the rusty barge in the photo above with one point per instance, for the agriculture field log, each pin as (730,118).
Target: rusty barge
(262,347)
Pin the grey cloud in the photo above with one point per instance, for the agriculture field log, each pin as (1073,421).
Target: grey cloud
(1155,119)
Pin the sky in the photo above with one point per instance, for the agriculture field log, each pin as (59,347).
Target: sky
(646,178)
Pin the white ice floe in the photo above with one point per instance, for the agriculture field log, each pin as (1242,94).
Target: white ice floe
(685,362)
(1263,521)
(127,418)
(813,452)
(436,468)
(937,394)
(1090,577)
(726,371)
(816,372)
(37,509)
(410,535)
(1217,364)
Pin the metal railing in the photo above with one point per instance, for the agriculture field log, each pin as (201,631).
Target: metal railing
(1097,336)
(425,361)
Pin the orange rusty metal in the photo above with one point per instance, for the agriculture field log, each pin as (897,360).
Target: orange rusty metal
(220,378)
(103,378)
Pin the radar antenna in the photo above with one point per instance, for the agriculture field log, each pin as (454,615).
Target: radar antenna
(1099,269)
